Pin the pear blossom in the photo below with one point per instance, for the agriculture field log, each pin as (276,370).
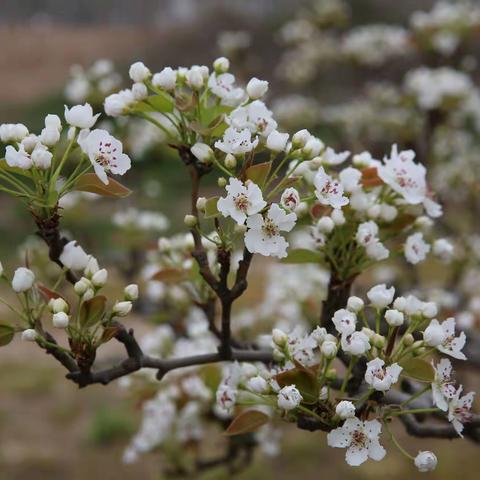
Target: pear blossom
(12,132)
(380,378)
(276,141)
(332,158)
(221,65)
(73,256)
(202,152)
(381,296)
(452,345)
(459,410)
(236,142)
(345,409)
(138,72)
(377,251)
(18,158)
(367,233)
(241,201)
(443,249)
(350,178)
(404,176)
(41,157)
(290,198)
(394,318)
(313,147)
(325,225)
(49,136)
(105,153)
(289,398)
(29,335)
(131,292)
(328,190)
(255,116)
(165,79)
(345,321)
(443,388)
(223,86)
(263,234)
(60,320)
(329,349)
(425,461)
(416,249)
(118,103)
(256,88)
(122,309)
(356,344)
(355,304)
(434,335)
(300,138)
(23,280)
(257,384)
(360,439)
(81,116)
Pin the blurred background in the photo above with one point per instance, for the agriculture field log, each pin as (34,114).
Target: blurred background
(49,429)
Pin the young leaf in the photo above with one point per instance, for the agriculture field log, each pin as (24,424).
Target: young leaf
(7,332)
(211,208)
(171,275)
(49,294)
(92,311)
(161,103)
(303,379)
(419,369)
(247,422)
(108,334)
(302,255)
(89,182)
(258,173)
(370,177)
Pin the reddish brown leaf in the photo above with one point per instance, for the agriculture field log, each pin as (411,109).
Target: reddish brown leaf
(246,422)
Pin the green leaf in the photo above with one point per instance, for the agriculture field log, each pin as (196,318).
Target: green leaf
(246,422)
(161,103)
(304,379)
(7,332)
(302,255)
(89,182)
(419,369)
(211,209)
(215,128)
(92,311)
(258,173)
(171,275)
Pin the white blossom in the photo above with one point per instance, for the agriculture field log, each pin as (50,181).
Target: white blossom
(105,153)
(356,344)
(404,176)
(236,142)
(277,141)
(60,320)
(360,439)
(328,190)
(138,72)
(290,199)
(81,116)
(345,321)
(345,409)
(223,86)
(242,200)
(394,318)
(380,296)
(450,344)
(263,234)
(443,388)
(23,280)
(381,378)
(289,398)
(166,79)
(255,116)
(73,256)
(425,461)
(256,88)
(416,249)
(459,410)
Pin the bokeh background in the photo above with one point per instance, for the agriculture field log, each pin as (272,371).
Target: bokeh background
(48,428)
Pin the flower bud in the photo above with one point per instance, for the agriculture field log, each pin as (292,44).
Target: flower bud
(99,279)
(74,257)
(49,137)
(29,335)
(434,334)
(138,72)
(190,220)
(394,318)
(279,337)
(331,374)
(1,269)
(131,292)
(23,280)
(92,267)
(355,304)
(139,91)
(230,161)
(122,309)
(57,305)
(323,394)
(278,356)
(221,65)
(257,384)
(222,182)
(300,138)
(325,225)
(379,340)
(290,199)
(164,244)
(313,147)
(429,309)
(202,152)
(338,216)
(381,296)
(425,461)
(88,295)
(289,398)
(329,349)
(60,320)
(41,158)
(82,286)
(256,88)
(276,141)
(345,409)
(408,339)
(166,79)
